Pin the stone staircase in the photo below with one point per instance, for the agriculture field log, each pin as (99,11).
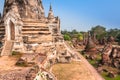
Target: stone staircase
(2,32)
(36,34)
(7,48)
(36,30)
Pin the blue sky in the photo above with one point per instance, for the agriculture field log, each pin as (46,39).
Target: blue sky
(84,14)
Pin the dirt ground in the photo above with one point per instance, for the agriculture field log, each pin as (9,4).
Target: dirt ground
(82,70)
(8,63)
(74,71)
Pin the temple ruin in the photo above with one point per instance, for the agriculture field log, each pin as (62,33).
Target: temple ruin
(24,26)
(25,30)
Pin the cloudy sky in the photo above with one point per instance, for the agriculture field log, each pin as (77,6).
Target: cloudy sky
(84,14)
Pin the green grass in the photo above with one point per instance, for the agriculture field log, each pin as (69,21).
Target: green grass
(93,62)
(17,55)
(22,64)
(105,76)
(14,53)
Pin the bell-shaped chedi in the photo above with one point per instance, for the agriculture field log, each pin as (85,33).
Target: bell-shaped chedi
(90,46)
(94,38)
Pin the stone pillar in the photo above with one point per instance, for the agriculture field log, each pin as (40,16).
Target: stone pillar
(7,30)
(18,43)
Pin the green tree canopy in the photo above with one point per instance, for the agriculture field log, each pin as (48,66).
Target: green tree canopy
(74,31)
(113,32)
(100,31)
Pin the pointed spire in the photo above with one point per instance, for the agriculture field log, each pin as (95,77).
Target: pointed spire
(50,7)
(50,14)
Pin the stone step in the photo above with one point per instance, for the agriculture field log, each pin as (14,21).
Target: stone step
(33,24)
(7,48)
(2,31)
(35,32)
(2,26)
(26,34)
(40,27)
(2,34)
(35,29)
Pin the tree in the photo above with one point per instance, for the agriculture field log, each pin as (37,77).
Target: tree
(113,32)
(100,31)
(64,32)
(74,31)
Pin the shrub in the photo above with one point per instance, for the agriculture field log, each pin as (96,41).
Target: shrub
(67,37)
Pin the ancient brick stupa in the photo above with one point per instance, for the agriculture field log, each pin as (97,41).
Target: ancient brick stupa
(24,26)
(90,48)
(25,29)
